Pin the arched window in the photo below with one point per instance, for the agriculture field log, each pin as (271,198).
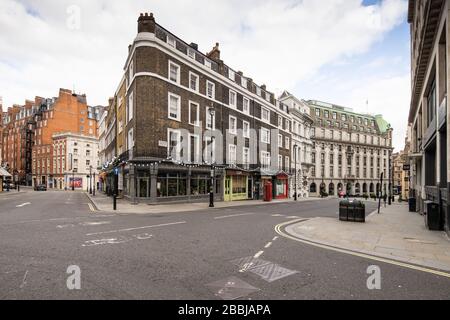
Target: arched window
(313,188)
(331,189)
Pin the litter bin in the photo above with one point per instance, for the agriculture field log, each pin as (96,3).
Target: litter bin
(343,210)
(354,211)
(433,219)
(412,204)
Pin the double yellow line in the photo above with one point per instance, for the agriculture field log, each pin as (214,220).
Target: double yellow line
(280,230)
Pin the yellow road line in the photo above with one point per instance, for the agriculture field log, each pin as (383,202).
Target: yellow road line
(279,227)
(91,207)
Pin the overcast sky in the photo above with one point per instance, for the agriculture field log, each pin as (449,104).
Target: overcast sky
(346,52)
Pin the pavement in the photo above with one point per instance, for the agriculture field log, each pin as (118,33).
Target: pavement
(394,234)
(232,253)
(102,202)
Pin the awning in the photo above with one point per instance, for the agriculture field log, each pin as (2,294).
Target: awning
(4,173)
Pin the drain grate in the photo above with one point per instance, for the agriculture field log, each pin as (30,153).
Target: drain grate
(268,271)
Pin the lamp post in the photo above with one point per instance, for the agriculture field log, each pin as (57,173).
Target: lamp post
(90,179)
(212,113)
(73,180)
(296,173)
(95,186)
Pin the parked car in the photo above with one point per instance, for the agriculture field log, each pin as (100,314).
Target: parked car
(40,187)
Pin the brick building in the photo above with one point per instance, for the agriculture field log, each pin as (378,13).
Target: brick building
(173,102)
(350,151)
(17,138)
(67,113)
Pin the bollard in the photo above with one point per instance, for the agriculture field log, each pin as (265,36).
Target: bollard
(114,202)
(18,188)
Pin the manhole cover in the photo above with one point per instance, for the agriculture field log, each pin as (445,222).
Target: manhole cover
(272,272)
(231,288)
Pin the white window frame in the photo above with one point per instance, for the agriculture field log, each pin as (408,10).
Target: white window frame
(244,82)
(280,162)
(128,139)
(268,135)
(197,155)
(191,53)
(197,81)
(268,114)
(213,93)
(287,164)
(246,156)
(287,142)
(210,141)
(171,63)
(280,122)
(231,75)
(230,94)
(208,116)
(230,129)
(265,160)
(197,121)
(178,146)
(280,141)
(230,153)
(245,109)
(246,133)
(130,109)
(208,63)
(178,118)
(131,71)
(171,41)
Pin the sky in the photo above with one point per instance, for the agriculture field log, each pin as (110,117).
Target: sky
(353,53)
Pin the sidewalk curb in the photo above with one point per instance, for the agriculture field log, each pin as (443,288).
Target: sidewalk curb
(281,230)
(92,202)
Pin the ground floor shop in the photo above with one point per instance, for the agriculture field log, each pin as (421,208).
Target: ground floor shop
(67,181)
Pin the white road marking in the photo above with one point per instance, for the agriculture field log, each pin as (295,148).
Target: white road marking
(234,215)
(293,217)
(139,228)
(278,215)
(275,238)
(279,230)
(23,204)
(268,245)
(99,223)
(259,254)
(24,280)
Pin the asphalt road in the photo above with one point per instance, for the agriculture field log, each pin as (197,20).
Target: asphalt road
(191,255)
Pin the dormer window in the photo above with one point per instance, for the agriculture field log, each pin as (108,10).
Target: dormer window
(171,41)
(208,63)
(191,53)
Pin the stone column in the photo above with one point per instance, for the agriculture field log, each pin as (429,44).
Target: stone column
(154,184)
(133,183)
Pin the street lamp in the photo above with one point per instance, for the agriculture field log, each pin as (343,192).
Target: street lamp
(73,180)
(212,113)
(296,173)
(95,186)
(90,179)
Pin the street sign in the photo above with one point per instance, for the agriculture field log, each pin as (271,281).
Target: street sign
(406,167)
(116,171)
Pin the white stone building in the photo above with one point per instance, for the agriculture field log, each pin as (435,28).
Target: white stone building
(301,144)
(76,157)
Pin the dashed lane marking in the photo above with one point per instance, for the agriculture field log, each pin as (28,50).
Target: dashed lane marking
(268,245)
(235,215)
(138,228)
(23,205)
(259,254)
(279,229)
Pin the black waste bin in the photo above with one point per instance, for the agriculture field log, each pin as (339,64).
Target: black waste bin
(433,216)
(412,204)
(343,210)
(354,211)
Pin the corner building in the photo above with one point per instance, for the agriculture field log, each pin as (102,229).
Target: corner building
(170,87)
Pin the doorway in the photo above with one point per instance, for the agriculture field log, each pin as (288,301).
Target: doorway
(144,187)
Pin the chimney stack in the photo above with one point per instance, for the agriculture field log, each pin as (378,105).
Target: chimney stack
(215,53)
(146,23)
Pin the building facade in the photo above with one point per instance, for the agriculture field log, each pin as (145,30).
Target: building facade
(18,137)
(350,152)
(429,113)
(401,174)
(301,144)
(67,113)
(75,161)
(188,124)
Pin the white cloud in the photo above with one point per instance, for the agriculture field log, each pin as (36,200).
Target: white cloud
(277,42)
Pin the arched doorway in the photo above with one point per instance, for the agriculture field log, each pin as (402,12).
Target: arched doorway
(313,188)
(372,190)
(357,189)
(349,188)
(365,188)
(340,187)
(331,189)
(323,188)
